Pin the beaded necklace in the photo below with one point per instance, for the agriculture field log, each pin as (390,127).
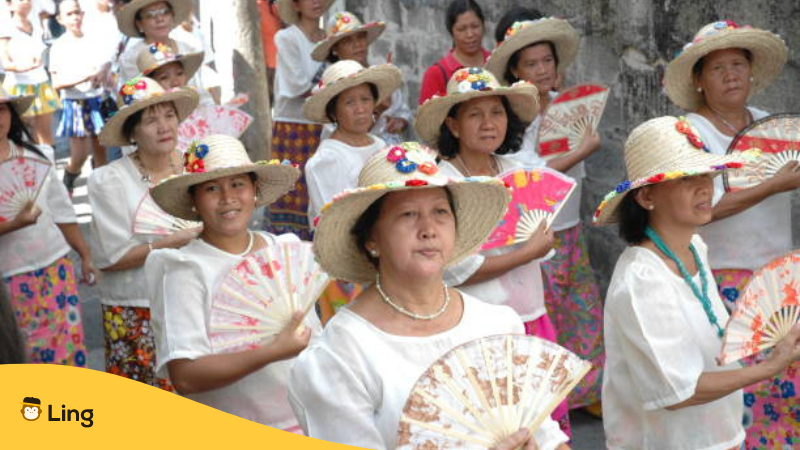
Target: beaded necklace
(701,295)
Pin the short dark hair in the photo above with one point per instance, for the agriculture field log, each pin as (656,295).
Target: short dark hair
(514,60)
(130,123)
(515,129)
(633,219)
(458,7)
(516,14)
(330,108)
(697,69)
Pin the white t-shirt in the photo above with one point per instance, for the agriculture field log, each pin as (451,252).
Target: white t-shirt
(6,24)
(520,288)
(102,24)
(91,51)
(755,236)
(22,49)
(182,283)
(333,168)
(42,243)
(350,385)
(658,342)
(293,74)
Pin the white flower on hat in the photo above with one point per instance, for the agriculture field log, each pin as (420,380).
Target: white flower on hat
(464,87)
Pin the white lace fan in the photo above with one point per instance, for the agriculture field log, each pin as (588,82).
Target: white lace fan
(259,296)
(150,219)
(568,117)
(486,390)
(765,312)
(21,181)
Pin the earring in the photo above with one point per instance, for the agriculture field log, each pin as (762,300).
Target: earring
(194,209)
(751,79)
(255,199)
(651,207)
(699,90)
(374,253)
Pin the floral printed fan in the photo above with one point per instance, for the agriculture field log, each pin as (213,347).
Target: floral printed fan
(150,219)
(206,120)
(765,312)
(21,181)
(778,139)
(486,390)
(567,118)
(261,294)
(536,195)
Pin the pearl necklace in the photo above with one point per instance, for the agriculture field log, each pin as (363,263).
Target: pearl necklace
(406,312)
(249,246)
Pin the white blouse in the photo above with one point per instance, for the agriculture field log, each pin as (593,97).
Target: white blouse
(347,392)
(294,72)
(333,168)
(22,48)
(658,342)
(755,236)
(182,283)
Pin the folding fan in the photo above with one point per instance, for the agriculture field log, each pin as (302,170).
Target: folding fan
(765,312)
(567,118)
(208,120)
(483,391)
(778,139)
(536,195)
(150,219)
(259,296)
(21,181)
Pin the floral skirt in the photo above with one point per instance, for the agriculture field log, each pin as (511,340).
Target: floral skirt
(296,142)
(81,118)
(771,404)
(45,98)
(48,312)
(573,302)
(337,294)
(130,346)
(543,328)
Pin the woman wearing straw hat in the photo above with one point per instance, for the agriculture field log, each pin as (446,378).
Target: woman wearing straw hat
(539,50)
(171,70)
(403,225)
(714,77)
(662,387)
(348,38)
(221,188)
(36,271)
(148,120)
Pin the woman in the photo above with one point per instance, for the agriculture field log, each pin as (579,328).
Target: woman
(400,229)
(714,77)
(464,21)
(221,188)
(35,269)
(662,386)
(349,39)
(539,50)
(171,70)
(149,120)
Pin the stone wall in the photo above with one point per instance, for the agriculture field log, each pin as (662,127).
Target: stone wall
(625,44)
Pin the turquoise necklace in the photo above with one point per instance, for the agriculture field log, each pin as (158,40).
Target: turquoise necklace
(701,295)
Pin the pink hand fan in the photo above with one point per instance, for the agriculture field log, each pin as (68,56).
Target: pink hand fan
(778,139)
(765,312)
(567,118)
(21,181)
(483,391)
(214,119)
(536,195)
(150,219)
(259,296)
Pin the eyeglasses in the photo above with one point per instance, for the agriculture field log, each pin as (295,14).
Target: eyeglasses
(155,13)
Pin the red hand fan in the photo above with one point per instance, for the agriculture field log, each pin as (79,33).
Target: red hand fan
(567,118)
(208,120)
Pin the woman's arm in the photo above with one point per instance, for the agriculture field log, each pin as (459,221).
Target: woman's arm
(589,144)
(786,179)
(534,248)
(136,256)
(74,237)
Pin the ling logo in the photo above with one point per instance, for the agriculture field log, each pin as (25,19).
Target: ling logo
(32,410)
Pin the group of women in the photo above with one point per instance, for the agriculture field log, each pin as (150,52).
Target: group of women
(399,224)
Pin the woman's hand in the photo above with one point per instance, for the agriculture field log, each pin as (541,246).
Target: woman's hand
(786,352)
(787,178)
(179,238)
(540,242)
(89,272)
(395,125)
(590,142)
(292,339)
(28,215)
(521,439)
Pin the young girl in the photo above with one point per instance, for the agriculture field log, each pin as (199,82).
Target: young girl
(221,192)
(171,70)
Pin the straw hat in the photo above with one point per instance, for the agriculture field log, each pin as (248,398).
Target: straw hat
(158,55)
(480,203)
(663,149)
(289,15)
(126,16)
(218,156)
(469,83)
(20,103)
(522,34)
(138,94)
(769,56)
(344,75)
(342,25)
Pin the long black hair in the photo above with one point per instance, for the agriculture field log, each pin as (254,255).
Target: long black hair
(19,133)
(449,145)
(633,219)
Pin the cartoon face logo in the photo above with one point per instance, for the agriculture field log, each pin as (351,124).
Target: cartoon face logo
(31,408)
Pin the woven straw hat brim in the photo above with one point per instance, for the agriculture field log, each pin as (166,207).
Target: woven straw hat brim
(289,15)
(324,48)
(126,16)
(19,103)
(191,63)
(557,31)
(185,100)
(524,101)
(385,76)
(479,208)
(769,56)
(172,195)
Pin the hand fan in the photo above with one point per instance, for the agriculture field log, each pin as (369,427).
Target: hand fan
(765,312)
(21,181)
(259,296)
(214,119)
(778,139)
(567,118)
(536,195)
(150,219)
(486,390)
